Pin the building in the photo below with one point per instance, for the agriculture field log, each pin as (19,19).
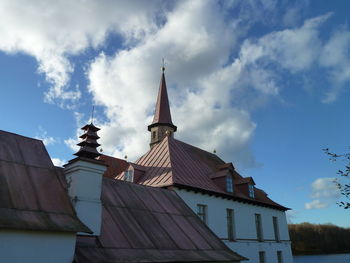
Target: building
(239,213)
(75,214)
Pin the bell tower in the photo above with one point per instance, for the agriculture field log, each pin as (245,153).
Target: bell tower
(162,124)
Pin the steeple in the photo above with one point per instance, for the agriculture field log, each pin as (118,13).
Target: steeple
(162,118)
(89,142)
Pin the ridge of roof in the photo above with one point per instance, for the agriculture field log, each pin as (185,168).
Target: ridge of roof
(23,136)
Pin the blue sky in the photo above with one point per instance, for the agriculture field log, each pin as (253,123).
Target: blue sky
(264,83)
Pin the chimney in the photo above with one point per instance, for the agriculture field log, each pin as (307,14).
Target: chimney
(84,177)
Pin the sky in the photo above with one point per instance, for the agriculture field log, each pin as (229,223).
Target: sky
(265,83)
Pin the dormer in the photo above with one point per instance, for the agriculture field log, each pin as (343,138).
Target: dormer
(246,186)
(224,177)
(132,173)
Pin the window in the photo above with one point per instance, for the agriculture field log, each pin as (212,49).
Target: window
(262,257)
(202,212)
(276,229)
(229,184)
(279,257)
(259,233)
(230,225)
(128,176)
(154,134)
(251,190)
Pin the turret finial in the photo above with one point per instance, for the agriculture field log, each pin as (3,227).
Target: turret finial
(163,65)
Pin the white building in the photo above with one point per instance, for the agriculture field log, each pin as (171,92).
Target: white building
(75,214)
(240,214)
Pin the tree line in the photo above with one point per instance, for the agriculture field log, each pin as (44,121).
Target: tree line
(319,239)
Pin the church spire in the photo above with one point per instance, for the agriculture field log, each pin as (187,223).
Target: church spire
(162,118)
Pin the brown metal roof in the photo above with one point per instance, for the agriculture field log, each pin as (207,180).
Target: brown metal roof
(32,196)
(114,165)
(175,163)
(162,114)
(148,224)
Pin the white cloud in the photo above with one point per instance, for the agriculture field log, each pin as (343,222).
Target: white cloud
(47,140)
(199,86)
(325,188)
(202,83)
(324,191)
(316,204)
(58,162)
(53,31)
(336,56)
(215,75)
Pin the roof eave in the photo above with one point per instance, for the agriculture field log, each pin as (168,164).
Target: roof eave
(162,124)
(236,198)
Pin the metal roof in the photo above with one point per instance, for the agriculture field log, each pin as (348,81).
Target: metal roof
(175,163)
(114,165)
(162,114)
(32,196)
(148,224)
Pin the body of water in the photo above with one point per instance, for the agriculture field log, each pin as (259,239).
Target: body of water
(334,258)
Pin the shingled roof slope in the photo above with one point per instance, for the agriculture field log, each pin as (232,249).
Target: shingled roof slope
(32,196)
(175,163)
(148,224)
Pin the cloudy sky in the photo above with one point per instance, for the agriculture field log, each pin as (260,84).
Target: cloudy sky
(264,83)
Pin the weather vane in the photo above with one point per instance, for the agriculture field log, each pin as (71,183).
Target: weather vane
(163,65)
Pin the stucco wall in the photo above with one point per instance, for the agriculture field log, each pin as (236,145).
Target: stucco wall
(246,242)
(38,247)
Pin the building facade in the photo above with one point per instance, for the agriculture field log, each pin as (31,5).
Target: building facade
(238,212)
(79,215)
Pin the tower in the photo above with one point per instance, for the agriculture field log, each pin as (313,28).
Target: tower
(162,124)
(84,177)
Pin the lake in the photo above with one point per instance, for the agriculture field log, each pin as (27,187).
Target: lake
(335,258)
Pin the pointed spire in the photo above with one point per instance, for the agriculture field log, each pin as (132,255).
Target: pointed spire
(89,142)
(162,114)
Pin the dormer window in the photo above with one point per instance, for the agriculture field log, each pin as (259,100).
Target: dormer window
(128,176)
(251,191)
(229,184)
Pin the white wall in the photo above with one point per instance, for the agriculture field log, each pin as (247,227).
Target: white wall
(35,246)
(84,180)
(244,217)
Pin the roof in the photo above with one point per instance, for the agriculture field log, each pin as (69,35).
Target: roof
(162,114)
(32,196)
(175,163)
(114,165)
(148,224)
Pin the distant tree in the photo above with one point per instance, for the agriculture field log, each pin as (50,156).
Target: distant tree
(344,173)
(318,239)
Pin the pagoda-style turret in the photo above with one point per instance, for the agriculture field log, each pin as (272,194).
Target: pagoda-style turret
(162,124)
(84,176)
(89,142)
